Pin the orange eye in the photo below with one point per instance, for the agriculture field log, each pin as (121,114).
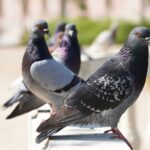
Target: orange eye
(138,34)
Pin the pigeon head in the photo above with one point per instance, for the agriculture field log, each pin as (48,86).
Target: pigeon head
(61,27)
(141,34)
(40,28)
(60,31)
(137,41)
(71,30)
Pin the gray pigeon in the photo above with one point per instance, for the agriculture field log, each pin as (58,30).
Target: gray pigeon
(68,54)
(59,32)
(69,50)
(44,77)
(107,93)
(101,46)
(25,99)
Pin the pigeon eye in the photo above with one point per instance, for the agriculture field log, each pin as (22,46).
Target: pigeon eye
(138,34)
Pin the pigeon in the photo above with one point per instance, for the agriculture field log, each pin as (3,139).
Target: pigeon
(26,101)
(102,43)
(69,50)
(69,54)
(108,92)
(55,41)
(44,76)
(60,29)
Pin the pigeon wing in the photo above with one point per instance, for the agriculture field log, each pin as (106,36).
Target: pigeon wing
(105,89)
(50,74)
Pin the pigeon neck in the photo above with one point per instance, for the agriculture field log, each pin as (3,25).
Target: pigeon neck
(75,44)
(70,42)
(40,47)
(134,47)
(72,50)
(58,30)
(134,56)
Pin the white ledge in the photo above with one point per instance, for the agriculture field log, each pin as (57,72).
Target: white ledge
(75,138)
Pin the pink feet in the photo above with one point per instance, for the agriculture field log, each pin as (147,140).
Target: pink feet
(119,135)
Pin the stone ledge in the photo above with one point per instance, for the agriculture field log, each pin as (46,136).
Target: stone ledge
(75,138)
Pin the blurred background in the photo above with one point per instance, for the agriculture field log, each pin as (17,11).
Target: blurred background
(103,26)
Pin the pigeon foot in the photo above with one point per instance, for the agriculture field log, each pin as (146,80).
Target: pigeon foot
(119,135)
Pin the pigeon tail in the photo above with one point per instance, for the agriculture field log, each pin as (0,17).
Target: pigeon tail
(21,94)
(47,133)
(64,118)
(12,100)
(58,121)
(28,103)
(47,128)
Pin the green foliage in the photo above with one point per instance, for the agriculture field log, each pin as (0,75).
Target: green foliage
(24,38)
(145,23)
(123,30)
(88,29)
(125,27)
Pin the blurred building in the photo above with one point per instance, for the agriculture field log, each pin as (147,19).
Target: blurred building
(17,14)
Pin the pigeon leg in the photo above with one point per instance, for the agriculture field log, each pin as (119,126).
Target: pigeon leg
(119,135)
(53,109)
(53,112)
(46,144)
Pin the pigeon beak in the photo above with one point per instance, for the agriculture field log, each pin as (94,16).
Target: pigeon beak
(147,39)
(70,32)
(47,32)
